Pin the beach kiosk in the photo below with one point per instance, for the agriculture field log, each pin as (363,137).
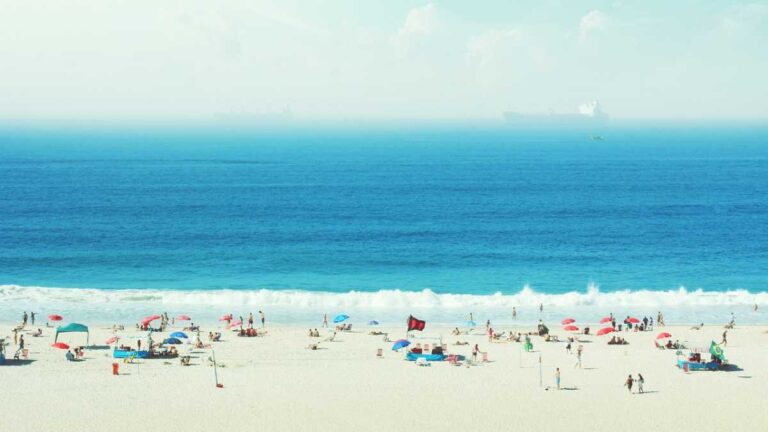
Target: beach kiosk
(73,328)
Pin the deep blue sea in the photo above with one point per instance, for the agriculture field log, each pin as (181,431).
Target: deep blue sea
(460,210)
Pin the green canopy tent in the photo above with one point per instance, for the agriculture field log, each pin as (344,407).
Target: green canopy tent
(73,328)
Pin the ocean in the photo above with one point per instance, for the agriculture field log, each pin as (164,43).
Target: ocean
(383,221)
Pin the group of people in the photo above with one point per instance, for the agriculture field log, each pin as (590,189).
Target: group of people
(617,340)
(314,333)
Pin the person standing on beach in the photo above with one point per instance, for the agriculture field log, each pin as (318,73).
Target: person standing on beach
(640,382)
(325,320)
(471,318)
(568,347)
(629,382)
(475,350)
(21,346)
(250,320)
(725,339)
(579,350)
(32,318)
(24,319)
(557,378)
(541,307)
(754,308)
(514,312)
(263,318)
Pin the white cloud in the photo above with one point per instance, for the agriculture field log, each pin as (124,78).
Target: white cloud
(419,21)
(594,20)
(485,47)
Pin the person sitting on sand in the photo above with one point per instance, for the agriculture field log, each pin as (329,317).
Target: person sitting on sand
(70,356)
(669,345)
(698,327)
(38,333)
(612,341)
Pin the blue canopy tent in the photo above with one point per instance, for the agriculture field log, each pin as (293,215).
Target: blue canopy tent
(73,328)
(340,318)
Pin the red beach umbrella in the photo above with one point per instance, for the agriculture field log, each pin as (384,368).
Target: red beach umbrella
(571,328)
(605,331)
(235,324)
(60,345)
(112,340)
(605,320)
(54,317)
(567,321)
(664,335)
(183,318)
(149,319)
(633,320)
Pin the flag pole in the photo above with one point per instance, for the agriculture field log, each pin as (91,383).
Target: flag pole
(215,372)
(540,372)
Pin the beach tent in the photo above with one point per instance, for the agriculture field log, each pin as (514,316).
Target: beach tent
(340,318)
(73,328)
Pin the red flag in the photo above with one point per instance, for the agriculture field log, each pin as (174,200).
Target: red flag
(415,324)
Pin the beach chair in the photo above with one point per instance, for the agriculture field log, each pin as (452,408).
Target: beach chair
(485,357)
(379,353)
(426,348)
(421,361)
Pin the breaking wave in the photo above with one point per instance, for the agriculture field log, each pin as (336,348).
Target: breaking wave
(295,305)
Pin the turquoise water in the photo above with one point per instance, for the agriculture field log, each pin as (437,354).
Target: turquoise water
(456,210)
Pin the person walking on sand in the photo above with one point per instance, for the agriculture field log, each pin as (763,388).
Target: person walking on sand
(629,383)
(325,320)
(514,312)
(725,339)
(557,378)
(579,350)
(568,348)
(21,346)
(263,318)
(640,382)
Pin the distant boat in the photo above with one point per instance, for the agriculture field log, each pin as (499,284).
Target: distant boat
(597,138)
(588,114)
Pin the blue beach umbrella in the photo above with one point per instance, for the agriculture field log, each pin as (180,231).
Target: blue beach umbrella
(172,341)
(179,335)
(373,322)
(400,343)
(340,318)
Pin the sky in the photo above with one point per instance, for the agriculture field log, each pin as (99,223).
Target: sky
(320,60)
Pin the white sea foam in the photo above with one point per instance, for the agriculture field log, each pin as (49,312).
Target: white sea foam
(299,306)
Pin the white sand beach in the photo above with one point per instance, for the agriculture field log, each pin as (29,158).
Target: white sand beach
(275,383)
